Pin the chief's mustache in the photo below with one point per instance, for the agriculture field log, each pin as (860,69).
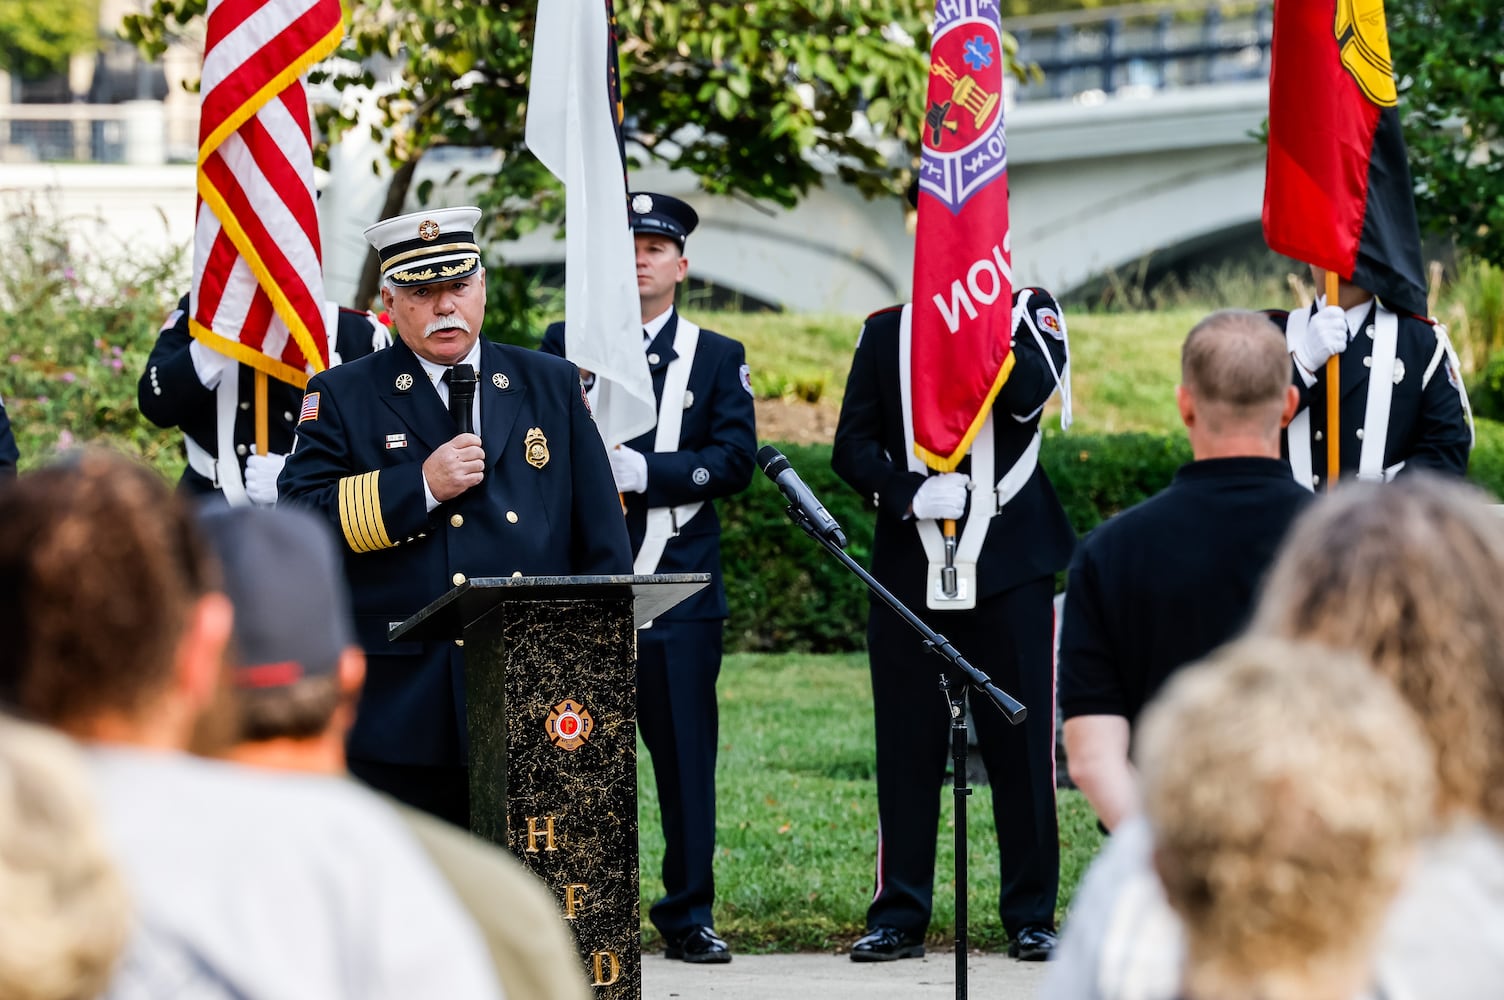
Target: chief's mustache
(446,323)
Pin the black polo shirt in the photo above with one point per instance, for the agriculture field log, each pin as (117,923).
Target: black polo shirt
(1167,581)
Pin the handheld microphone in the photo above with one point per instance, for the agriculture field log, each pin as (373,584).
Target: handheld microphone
(462,398)
(814,514)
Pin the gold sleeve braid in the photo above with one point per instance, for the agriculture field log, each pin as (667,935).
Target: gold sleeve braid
(360,513)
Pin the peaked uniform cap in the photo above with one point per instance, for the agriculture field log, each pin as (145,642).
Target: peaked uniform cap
(661,214)
(432,245)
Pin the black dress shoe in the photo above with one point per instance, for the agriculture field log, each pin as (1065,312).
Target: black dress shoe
(885,944)
(700,945)
(1033,943)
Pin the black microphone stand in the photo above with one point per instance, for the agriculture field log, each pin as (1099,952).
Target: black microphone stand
(955,678)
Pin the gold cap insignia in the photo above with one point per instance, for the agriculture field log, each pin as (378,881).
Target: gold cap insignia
(404,382)
(500,381)
(535,447)
(569,725)
(428,230)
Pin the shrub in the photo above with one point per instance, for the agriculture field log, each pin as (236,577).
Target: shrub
(77,321)
(786,593)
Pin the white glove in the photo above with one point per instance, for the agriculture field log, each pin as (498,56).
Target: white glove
(209,364)
(261,472)
(1326,335)
(630,470)
(942,496)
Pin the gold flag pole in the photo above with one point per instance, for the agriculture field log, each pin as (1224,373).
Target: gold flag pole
(1333,393)
(263,435)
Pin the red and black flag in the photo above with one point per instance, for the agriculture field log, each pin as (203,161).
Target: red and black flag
(1337,191)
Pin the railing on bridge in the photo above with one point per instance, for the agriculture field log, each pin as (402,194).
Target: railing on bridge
(139,132)
(1143,47)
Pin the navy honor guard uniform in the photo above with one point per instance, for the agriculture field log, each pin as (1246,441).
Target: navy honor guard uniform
(1013,538)
(421,508)
(183,386)
(9,454)
(1416,417)
(701,449)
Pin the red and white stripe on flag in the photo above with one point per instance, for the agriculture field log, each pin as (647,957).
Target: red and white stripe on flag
(258,287)
(963,294)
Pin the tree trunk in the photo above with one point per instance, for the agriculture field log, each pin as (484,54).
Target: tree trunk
(396,196)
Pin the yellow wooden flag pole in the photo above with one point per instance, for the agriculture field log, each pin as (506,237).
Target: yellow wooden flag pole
(1333,393)
(263,435)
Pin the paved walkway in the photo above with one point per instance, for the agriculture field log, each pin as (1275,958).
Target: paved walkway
(836,977)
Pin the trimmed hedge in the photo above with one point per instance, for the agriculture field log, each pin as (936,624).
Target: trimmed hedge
(787,594)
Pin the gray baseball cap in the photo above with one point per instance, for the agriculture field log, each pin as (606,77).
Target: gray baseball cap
(283,576)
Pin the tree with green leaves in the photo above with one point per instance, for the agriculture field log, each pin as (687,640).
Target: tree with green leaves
(1450,63)
(38,36)
(762,98)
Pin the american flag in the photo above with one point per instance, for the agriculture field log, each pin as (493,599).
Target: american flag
(258,289)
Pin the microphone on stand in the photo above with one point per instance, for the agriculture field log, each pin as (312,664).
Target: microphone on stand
(777,468)
(461,379)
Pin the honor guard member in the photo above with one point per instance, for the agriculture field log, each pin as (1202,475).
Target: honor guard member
(701,449)
(1415,418)
(1014,538)
(386,453)
(184,386)
(9,454)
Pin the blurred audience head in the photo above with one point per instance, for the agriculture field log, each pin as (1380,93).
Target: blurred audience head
(1287,786)
(1407,575)
(1235,380)
(295,667)
(113,629)
(64,914)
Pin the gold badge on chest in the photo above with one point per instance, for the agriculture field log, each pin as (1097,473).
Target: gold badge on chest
(535,447)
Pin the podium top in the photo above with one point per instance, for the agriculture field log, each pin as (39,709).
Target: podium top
(448,616)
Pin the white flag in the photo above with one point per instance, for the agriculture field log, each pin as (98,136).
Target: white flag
(571,129)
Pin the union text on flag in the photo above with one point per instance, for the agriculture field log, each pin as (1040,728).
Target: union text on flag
(963,296)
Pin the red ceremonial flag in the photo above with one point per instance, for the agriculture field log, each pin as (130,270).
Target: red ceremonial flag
(1337,191)
(258,286)
(963,295)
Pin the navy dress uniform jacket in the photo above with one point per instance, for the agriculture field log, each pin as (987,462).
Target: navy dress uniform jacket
(9,453)
(1007,635)
(715,458)
(1029,538)
(679,658)
(1427,426)
(367,427)
(170,394)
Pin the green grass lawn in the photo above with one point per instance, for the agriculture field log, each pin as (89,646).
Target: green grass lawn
(797,814)
(1124,367)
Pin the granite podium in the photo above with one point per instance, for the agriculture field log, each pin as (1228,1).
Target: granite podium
(551,708)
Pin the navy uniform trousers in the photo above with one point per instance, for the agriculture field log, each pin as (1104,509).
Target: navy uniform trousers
(679,657)
(1009,635)
(546,507)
